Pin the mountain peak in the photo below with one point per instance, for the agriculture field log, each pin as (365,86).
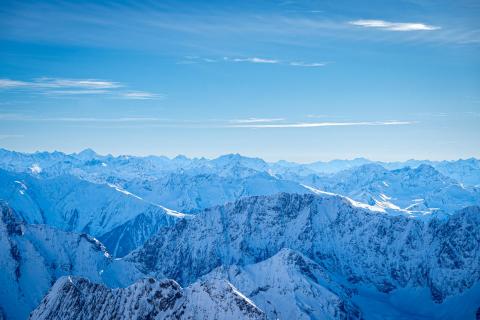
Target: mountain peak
(86,154)
(426,169)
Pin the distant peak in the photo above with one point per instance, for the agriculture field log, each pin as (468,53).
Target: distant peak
(426,168)
(87,153)
(181,157)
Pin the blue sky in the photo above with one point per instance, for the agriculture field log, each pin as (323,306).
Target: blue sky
(294,80)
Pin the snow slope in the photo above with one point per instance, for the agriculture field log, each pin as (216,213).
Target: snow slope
(291,286)
(78,298)
(194,191)
(418,191)
(123,220)
(190,185)
(34,256)
(367,248)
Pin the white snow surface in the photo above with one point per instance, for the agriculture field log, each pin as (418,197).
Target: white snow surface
(77,298)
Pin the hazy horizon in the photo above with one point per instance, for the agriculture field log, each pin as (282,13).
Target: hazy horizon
(171,157)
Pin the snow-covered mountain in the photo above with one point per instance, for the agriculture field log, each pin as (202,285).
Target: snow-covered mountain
(437,255)
(78,298)
(191,192)
(189,185)
(123,220)
(418,190)
(89,165)
(34,256)
(291,286)
(349,239)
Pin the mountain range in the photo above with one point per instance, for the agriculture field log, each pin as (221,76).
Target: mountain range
(237,237)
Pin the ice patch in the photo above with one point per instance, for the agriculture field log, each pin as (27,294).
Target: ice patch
(174,213)
(235,290)
(123,191)
(352,202)
(24,187)
(35,168)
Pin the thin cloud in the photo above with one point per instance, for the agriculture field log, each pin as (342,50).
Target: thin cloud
(256,60)
(28,118)
(75,83)
(206,124)
(76,87)
(393,26)
(252,60)
(141,95)
(8,83)
(307,64)
(323,124)
(75,92)
(256,120)
(80,119)
(48,83)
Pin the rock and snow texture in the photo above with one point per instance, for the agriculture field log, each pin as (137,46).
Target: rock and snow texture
(78,298)
(416,191)
(189,185)
(120,219)
(291,286)
(34,256)
(366,248)
(404,235)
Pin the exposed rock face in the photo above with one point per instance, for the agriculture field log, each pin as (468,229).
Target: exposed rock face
(362,246)
(123,220)
(419,190)
(34,256)
(291,286)
(78,298)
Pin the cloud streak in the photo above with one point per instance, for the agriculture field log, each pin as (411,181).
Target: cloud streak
(254,60)
(141,95)
(49,83)
(22,117)
(393,26)
(257,120)
(307,64)
(322,124)
(76,87)
(206,124)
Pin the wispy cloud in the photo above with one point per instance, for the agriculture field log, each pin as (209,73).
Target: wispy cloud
(252,60)
(75,87)
(256,60)
(74,92)
(48,83)
(256,120)
(206,124)
(28,118)
(308,64)
(393,26)
(141,95)
(323,124)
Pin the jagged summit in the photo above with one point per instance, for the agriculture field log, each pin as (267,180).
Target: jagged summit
(291,286)
(74,298)
(351,242)
(343,238)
